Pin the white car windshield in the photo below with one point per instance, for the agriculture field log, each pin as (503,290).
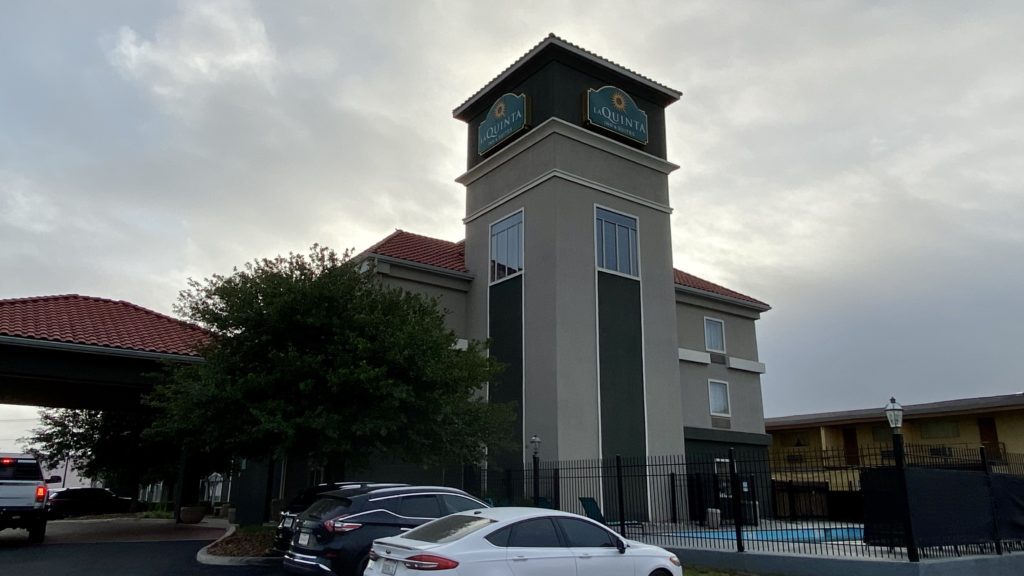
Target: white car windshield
(448,529)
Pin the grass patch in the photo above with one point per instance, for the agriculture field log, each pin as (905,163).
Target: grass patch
(246,541)
(698,571)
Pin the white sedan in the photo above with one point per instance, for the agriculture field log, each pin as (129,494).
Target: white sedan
(517,542)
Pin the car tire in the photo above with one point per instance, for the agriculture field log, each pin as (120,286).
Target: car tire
(37,533)
(361,567)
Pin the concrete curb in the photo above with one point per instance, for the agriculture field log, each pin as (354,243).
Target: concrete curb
(204,557)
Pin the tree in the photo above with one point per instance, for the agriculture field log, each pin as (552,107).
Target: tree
(311,355)
(104,445)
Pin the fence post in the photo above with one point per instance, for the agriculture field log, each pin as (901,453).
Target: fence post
(908,522)
(672,496)
(992,501)
(622,495)
(556,490)
(510,488)
(737,499)
(536,481)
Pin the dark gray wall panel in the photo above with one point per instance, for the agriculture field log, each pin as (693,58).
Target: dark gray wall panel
(505,312)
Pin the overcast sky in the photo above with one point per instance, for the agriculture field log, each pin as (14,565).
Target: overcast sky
(857,165)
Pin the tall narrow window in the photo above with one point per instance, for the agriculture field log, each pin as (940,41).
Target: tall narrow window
(507,247)
(714,335)
(718,391)
(616,242)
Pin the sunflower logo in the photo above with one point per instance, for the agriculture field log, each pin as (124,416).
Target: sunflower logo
(619,101)
(499,110)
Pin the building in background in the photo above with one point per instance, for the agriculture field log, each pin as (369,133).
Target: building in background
(932,431)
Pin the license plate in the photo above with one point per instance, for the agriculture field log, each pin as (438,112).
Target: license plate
(390,567)
(304,539)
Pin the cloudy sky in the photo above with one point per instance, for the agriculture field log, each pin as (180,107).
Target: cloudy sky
(857,165)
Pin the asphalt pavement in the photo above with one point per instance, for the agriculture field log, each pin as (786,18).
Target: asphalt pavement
(129,547)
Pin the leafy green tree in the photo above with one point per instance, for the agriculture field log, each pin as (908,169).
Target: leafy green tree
(311,355)
(103,445)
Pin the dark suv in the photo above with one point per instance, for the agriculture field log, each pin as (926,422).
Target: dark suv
(335,533)
(283,537)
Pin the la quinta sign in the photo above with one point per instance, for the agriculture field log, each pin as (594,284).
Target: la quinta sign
(509,115)
(612,109)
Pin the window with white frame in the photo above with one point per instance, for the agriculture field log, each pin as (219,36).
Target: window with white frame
(714,335)
(718,392)
(616,241)
(507,247)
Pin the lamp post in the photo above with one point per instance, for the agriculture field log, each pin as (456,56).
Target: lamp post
(894,414)
(535,442)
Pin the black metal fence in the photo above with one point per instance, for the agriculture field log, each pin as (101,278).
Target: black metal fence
(948,502)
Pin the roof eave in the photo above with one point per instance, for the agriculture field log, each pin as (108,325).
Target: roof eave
(103,350)
(759,306)
(420,266)
(669,93)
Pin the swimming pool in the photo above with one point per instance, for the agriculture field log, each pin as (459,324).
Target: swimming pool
(801,535)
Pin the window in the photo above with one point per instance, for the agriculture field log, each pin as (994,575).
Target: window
(420,507)
(499,537)
(881,434)
(616,243)
(714,335)
(460,503)
(448,529)
(940,429)
(507,247)
(718,391)
(585,535)
(537,533)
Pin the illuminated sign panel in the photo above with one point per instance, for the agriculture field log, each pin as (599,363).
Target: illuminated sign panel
(612,109)
(509,115)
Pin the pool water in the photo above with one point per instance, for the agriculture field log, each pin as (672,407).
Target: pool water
(802,535)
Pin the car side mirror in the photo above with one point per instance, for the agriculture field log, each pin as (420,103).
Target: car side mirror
(53,479)
(620,545)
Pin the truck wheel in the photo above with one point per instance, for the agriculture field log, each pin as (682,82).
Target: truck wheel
(37,533)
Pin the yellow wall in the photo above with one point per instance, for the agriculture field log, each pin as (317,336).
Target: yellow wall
(1009,429)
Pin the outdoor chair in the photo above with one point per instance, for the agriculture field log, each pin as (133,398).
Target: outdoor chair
(593,512)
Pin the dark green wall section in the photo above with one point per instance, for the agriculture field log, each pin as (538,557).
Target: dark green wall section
(621,360)
(505,313)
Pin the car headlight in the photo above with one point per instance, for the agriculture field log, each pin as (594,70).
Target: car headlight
(675,561)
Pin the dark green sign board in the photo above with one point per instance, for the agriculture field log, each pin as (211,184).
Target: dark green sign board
(509,115)
(612,109)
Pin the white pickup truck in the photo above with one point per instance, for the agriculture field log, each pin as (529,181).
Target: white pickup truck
(23,494)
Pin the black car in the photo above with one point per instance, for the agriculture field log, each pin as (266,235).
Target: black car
(85,501)
(283,537)
(335,533)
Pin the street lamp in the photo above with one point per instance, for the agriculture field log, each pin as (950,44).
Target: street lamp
(535,442)
(894,413)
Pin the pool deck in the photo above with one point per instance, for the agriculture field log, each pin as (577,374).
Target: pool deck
(700,546)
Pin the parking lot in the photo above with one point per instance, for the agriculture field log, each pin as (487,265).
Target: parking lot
(136,547)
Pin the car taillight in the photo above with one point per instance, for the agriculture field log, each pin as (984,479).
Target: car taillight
(429,562)
(41,493)
(338,525)
(6,461)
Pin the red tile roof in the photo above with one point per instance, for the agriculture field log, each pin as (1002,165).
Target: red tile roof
(422,250)
(403,245)
(75,319)
(691,281)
